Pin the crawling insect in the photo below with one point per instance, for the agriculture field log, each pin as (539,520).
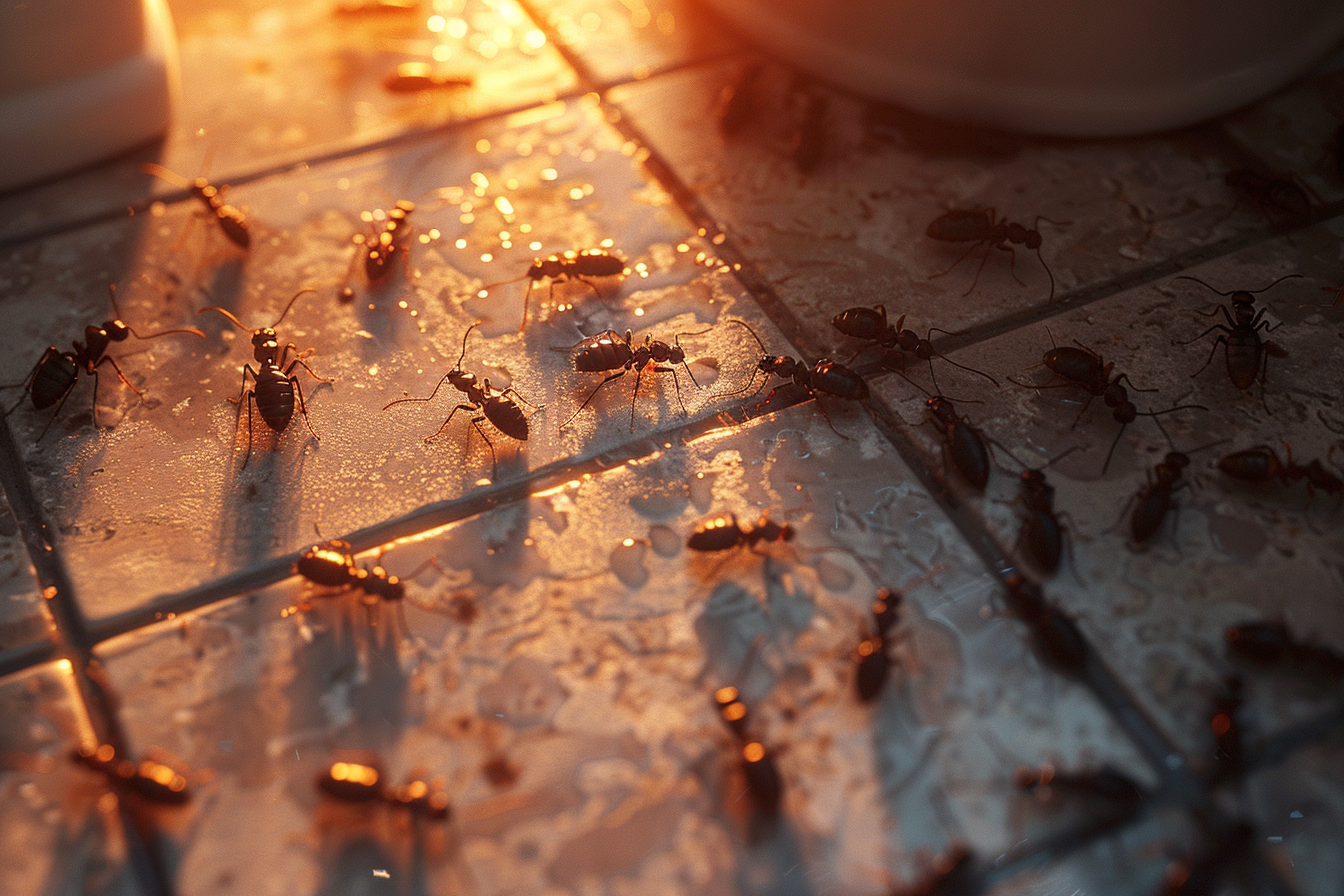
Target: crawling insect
(331,564)
(1041,538)
(765,787)
(1260,464)
(981,227)
(1270,643)
(414,77)
(1280,193)
(230,220)
(488,403)
(608,351)
(962,441)
(353,782)
(1247,355)
(275,385)
(723,533)
(872,662)
(384,244)
(571,265)
(1058,641)
(870,325)
(147,778)
(54,375)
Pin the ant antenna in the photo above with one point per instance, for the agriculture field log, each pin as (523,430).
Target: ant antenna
(764,354)
(676,339)
(932,330)
(458,365)
(164,174)
(112,293)
(239,324)
(1231,292)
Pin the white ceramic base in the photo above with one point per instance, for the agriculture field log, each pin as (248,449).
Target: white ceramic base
(60,123)
(1104,68)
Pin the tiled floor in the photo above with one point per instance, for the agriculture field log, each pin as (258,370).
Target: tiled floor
(554,665)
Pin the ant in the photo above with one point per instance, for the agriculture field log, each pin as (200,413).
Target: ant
(765,787)
(980,227)
(1246,354)
(230,220)
(331,564)
(1104,784)
(1154,498)
(273,388)
(951,874)
(54,375)
(571,265)
(962,441)
(488,403)
(413,77)
(353,782)
(151,780)
(870,324)
(1272,644)
(723,533)
(1261,464)
(1272,192)
(824,376)
(385,243)
(1083,367)
(871,660)
(1057,638)
(608,351)
(1041,537)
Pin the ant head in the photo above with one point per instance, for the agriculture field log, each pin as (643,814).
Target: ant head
(676,354)
(458,365)
(461,380)
(265,344)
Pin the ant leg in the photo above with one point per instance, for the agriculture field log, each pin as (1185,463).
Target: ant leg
(449,419)
(1049,274)
(974,246)
(1216,342)
(1012,263)
(27,381)
(299,361)
(247,368)
(1202,335)
(430,397)
(639,372)
(614,376)
(494,462)
(979,270)
(248,456)
(303,409)
(1114,442)
(527,296)
(121,376)
(514,393)
(1087,404)
(57,413)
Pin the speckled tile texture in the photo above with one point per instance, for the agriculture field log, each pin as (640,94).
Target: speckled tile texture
(492,526)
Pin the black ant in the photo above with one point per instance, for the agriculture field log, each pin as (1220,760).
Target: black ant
(488,403)
(230,220)
(414,77)
(1084,367)
(765,787)
(572,265)
(608,351)
(1057,638)
(723,533)
(275,386)
(1246,354)
(871,660)
(1104,784)
(1270,193)
(1272,644)
(962,441)
(1154,499)
(870,324)
(147,778)
(55,373)
(824,376)
(951,874)
(331,564)
(1041,538)
(354,782)
(1260,464)
(980,227)
(385,243)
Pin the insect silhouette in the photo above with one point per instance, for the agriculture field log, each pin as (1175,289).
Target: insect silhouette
(1154,500)
(54,375)
(582,266)
(486,402)
(354,782)
(872,662)
(961,441)
(1104,784)
(951,874)
(1057,639)
(825,376)
(870,325)
(1041,538)
(230,220)
(1279,193)
(723,533)
(1270,643)
(414,77)
(608,351)
(331,564)
(1083,367)
(765,787)
(147,778)
(383,245)
(1247,355)
(981,227)
(274,385)
(1260,464)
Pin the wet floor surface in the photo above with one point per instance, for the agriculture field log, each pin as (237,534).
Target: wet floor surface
(534,633)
